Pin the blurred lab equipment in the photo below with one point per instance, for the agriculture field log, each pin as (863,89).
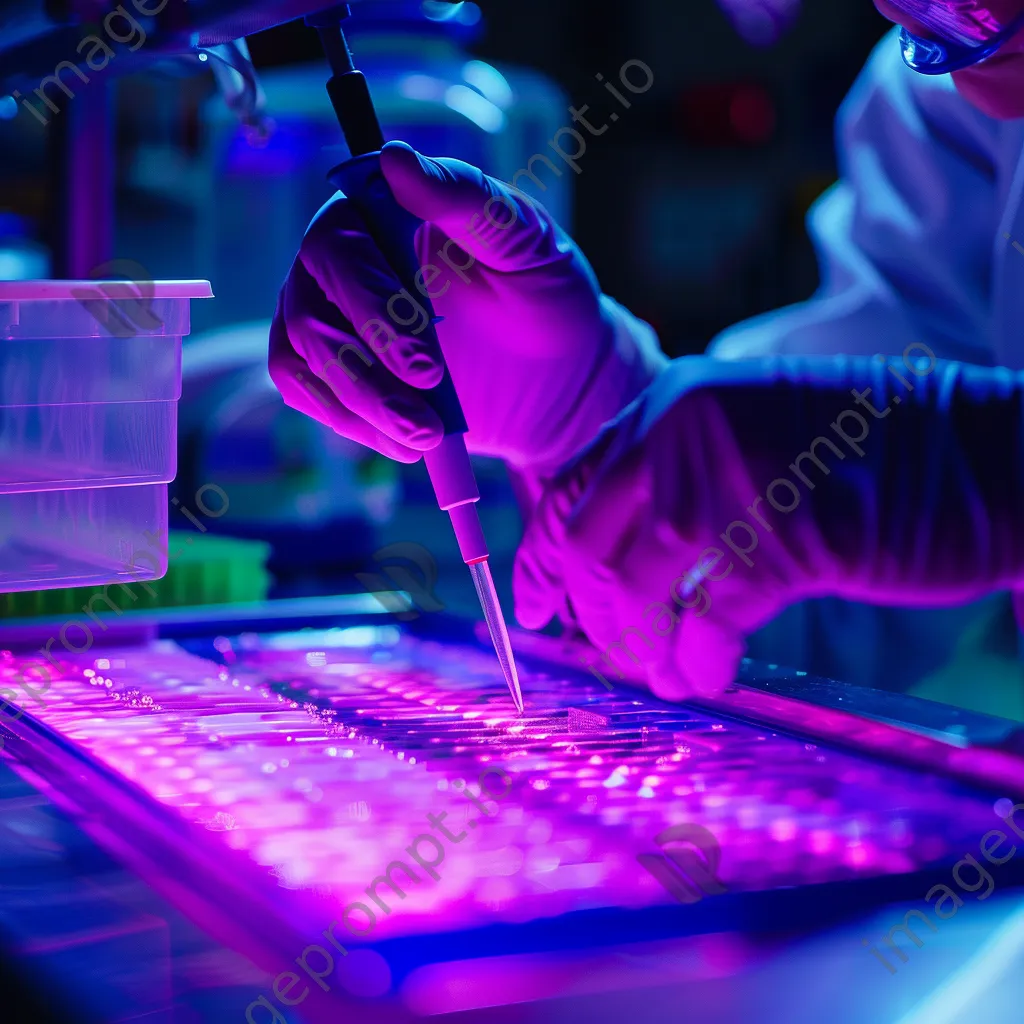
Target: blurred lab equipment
(761,22)
(21,257)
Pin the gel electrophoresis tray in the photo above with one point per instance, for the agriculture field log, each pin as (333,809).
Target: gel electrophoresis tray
(305,763)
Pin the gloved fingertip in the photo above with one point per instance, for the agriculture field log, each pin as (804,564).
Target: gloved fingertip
(711,679)
(532,614)
(410,421)
(424,371)
(406,456)
(666,685)
(711,657)
(703,661)
(399,156)
(389,448)
(534,604)
(424,438)
(407,172)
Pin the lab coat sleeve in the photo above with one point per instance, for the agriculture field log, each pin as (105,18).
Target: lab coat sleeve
(872,480)
(905,238)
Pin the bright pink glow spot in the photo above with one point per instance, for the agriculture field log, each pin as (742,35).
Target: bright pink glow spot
(821,841)
(783,829)
(857,855)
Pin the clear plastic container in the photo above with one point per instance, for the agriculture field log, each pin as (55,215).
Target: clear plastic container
(90,376)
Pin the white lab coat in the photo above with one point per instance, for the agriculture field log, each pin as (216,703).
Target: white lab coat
(912,246)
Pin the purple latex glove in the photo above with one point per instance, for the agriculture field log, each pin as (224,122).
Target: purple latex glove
(730,490)
(540,359)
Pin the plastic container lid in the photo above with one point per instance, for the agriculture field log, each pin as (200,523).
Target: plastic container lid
(27,291)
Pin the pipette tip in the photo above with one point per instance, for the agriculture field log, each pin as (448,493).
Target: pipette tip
(495,620)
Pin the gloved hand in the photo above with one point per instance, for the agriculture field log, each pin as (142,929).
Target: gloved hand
(729,490)
(540,359)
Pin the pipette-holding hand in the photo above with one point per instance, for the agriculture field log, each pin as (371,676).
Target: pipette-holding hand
(728,491)
(539,357)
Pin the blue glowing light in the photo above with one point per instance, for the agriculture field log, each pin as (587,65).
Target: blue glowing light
(422,87)
(319,641)
(8,108)
(469,14)
(489,82)
(482,112)
(464,14)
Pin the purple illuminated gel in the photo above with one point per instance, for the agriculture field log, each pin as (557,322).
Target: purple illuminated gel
(319,754)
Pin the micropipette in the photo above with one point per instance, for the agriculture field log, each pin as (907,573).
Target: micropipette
(394,230)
